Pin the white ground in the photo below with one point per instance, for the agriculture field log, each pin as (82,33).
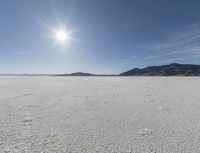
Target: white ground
(99,114)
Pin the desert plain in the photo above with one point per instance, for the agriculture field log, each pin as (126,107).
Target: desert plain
(99,114)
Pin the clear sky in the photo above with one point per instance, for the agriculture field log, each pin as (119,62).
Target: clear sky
(109,36)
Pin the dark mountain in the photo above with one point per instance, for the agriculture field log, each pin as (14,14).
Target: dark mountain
(165,70)
(81,74)
(84,74)
(173,69)
(76,74)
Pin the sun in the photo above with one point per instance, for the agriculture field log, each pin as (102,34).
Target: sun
(62,36)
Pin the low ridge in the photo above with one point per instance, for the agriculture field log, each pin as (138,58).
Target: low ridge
(165,70)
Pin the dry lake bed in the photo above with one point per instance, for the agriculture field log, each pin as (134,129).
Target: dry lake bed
(99,114)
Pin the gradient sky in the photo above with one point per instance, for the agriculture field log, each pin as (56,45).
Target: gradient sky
(110,36)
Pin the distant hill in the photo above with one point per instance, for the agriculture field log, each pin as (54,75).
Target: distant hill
(84,74)
(173,69)
(81,74)
(76,74)
(165,70)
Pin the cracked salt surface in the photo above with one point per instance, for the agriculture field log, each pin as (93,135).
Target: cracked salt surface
(99,114)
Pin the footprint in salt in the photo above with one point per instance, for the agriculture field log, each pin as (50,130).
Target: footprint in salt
(145,131)
(105,102)
(27,119)
(163,108)
(28,94)
(152,101)
(149,94)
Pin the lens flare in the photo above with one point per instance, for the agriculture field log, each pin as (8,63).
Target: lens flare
(61,35)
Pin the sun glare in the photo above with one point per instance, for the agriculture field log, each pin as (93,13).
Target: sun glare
(61,35)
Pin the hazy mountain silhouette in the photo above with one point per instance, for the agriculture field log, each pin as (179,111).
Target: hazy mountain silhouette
(81,74)
(173,69)
(76,74)
(165,70)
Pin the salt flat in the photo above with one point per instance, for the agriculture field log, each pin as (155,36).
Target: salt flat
(99,114)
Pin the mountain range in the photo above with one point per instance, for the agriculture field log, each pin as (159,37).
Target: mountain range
(173,69)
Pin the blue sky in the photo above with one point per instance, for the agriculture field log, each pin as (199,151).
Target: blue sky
(109,36)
